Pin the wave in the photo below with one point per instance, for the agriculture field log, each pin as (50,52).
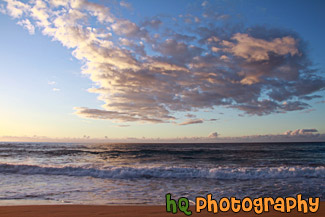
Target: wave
(146,152)
(227,173)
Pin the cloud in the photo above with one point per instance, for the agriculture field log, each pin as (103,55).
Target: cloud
(213,135)
(53,84)
(129,29)
(126,4)
(308,111)
(152,71)
(190,116)
(123,125)
(27,25)
(300,135)
(321,102)
(255,49)
(205,3)
(191,121)
(300,132)
(153,23)
(103,114)
(16,8)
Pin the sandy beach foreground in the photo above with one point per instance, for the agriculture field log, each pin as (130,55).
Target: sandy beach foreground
(122,211)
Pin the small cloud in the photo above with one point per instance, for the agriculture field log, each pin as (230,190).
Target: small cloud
(213,119)
(153,23)
(191,121)
(205,3)
(254,49)
(56,89)
(190,115)
(123,125)
(308,111)
(51,82)
(86,137)
(224,58)
(213,135)
(215,49)
(300,132)
(126,4)
(27,25)
(2,9)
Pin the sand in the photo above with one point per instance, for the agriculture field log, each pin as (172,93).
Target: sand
(122,211)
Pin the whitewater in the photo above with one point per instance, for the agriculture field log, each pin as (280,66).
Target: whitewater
(144,173)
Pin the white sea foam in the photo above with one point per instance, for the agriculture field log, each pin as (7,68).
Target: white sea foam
(227,173)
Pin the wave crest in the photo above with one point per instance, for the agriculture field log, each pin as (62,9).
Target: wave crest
(227,173)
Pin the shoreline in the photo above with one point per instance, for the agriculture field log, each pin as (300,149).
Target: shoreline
(68,210)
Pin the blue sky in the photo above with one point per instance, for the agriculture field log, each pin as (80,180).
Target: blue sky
(161,69)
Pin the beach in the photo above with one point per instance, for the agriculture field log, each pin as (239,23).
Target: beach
(123,211)
(142,174)
(56,180)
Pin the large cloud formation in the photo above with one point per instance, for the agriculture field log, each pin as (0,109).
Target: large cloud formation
(149,71)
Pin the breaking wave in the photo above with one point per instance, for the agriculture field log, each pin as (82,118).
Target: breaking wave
(226,173)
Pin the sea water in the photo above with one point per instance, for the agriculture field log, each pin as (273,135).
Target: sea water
(145,173)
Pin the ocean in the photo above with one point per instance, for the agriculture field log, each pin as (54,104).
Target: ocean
(144,173)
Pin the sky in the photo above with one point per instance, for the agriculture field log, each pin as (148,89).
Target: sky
(169,71)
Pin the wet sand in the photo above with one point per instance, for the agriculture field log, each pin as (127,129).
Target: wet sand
(124,211)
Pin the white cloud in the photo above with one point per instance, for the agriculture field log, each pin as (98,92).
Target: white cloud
(2,9)
(254,49)
(16,8)
(301,132)
(205,3)
(254,71)
(27,25)
(125,4)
